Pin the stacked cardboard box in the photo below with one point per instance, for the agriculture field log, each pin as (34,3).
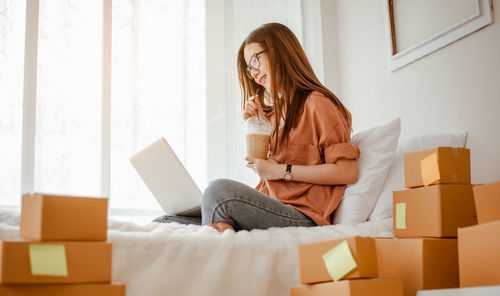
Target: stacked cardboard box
(426,216)
(420,263)
(478,248)
(425,254)
(65,243)
(477,291)
(487,200)
(343,267)
(440,199)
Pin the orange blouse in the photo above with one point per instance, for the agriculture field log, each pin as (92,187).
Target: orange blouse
(319,137)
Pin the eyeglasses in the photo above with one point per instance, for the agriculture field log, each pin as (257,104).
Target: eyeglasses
(254,63)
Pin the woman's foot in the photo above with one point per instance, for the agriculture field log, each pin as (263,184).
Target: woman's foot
(221,226)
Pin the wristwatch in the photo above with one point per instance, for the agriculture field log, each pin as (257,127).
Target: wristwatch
(288,173)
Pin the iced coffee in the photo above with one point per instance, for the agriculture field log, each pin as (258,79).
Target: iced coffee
(257,137)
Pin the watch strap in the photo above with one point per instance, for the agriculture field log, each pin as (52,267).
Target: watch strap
(288,173)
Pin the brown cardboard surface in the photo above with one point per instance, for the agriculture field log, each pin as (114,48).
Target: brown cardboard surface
(421,263)
(479,254)
(453,164)
(357,287)
(487,200)
(64,218)
(87,262)
(115,289)
(312,267)
(474,291)
(435,211)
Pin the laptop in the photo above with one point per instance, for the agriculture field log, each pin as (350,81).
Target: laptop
(167,179)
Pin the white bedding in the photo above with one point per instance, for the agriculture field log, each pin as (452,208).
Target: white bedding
(173,259)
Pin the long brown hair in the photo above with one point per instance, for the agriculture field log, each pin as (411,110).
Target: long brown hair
(291,75)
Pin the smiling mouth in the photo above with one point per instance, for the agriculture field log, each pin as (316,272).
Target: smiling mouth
(262,80)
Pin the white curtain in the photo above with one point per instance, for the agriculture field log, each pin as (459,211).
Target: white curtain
(157,89)
(68,99)
(12,27)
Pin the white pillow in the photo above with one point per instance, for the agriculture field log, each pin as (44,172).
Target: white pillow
(377,146)
(395,178)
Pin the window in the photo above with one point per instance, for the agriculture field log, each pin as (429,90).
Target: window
(83,138)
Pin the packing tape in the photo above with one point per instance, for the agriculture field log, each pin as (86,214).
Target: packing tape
(429,169)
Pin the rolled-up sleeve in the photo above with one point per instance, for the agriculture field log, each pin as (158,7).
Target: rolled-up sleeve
(338,151)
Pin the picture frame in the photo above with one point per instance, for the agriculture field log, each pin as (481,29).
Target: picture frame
(396,59)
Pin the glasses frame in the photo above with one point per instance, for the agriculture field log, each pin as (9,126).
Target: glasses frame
(250,67)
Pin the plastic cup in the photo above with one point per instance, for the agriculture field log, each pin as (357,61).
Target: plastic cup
(257,137)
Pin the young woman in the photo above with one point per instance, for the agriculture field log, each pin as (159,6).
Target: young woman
(310,158)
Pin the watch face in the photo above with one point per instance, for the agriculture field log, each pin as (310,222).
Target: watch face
(288,177)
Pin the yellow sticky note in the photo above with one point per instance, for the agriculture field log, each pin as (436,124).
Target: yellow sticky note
(48,260)
(430,169)
(401,215)
(339,261)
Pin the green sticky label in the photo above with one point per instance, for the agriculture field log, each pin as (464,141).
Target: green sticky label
(49,260)
(339,261)
(401,215)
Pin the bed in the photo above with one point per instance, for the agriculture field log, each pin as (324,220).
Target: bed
(174,259)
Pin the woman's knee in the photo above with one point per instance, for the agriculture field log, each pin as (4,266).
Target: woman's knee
(217,191)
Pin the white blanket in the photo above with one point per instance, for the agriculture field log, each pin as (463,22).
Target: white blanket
(173,259)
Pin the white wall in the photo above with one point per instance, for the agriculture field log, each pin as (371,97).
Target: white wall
(331,67)
(456,88)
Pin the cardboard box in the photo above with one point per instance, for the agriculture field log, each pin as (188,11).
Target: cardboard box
(487,200)
(23,262)
(312,267)
(115,289)
(477,291)
(358,287)
(52,217)
(433,211)
(442,165)
(420,263)
(479,254)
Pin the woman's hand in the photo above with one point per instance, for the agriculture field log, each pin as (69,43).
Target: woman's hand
(252,108)
(267,169)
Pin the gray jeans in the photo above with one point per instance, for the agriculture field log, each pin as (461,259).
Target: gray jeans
(242,207)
